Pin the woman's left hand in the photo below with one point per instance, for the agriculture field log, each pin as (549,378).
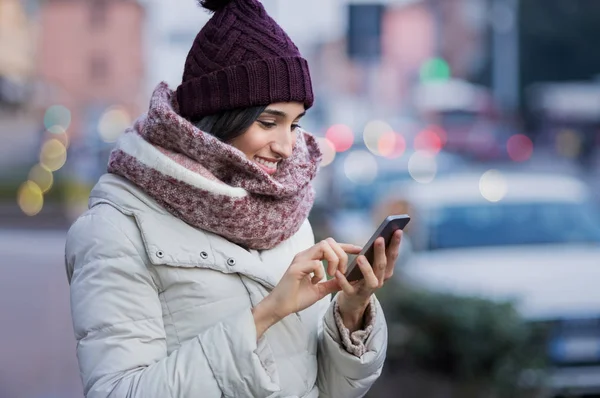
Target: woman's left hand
(355,296)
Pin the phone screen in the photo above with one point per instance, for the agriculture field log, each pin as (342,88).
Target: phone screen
(386,230)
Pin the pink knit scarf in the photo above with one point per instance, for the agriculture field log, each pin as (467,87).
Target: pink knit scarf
(212,185)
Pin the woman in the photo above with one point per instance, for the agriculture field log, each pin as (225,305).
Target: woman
(194,273)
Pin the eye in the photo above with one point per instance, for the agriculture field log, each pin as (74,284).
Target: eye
(267,125)
(296,126)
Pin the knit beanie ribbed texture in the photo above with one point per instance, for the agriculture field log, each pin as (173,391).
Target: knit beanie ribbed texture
(242,58)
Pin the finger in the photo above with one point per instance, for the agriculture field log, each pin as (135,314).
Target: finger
(344,284)
(319,251)
(325,251)
(311,267)
(339,251)
(318,272)
(328,287)
(331,256)
(392,254)
(350,249)
(380,262)
(371,280)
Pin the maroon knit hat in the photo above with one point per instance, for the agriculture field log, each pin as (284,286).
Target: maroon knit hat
(241,58)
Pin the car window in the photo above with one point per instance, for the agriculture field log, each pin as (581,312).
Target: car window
(497,224)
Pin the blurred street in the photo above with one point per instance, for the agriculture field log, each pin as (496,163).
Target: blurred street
(37,346)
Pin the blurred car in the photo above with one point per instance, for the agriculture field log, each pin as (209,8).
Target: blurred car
(352,202)
(567,115)
(538,244)
(467,115)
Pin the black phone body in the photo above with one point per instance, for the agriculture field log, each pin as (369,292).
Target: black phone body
(386,230)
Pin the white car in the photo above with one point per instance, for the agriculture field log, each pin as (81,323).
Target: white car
(538,243)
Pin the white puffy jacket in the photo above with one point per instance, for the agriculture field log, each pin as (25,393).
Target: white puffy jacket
(162,309)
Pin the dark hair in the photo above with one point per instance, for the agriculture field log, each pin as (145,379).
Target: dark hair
(229,124)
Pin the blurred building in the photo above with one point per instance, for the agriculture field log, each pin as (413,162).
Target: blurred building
(169,33)
(91,68)
(417,41)
(16,51)
(17,67)
(90,54)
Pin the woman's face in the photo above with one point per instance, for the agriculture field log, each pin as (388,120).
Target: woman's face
(272,136)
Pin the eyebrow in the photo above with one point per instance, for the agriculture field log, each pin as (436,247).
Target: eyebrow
(275,112)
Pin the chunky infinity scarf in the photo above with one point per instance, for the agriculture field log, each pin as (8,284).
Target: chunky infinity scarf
(212,185)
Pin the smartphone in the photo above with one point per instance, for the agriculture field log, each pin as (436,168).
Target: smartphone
(386,230)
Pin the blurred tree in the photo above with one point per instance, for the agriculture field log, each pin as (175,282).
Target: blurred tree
(481,346)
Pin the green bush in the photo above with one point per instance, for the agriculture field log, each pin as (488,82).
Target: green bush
(470,340)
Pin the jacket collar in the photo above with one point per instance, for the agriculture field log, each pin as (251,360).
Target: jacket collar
(170,241)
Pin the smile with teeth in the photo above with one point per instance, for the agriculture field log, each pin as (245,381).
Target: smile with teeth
(266,163)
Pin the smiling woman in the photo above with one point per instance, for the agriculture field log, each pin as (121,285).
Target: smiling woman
(196,253)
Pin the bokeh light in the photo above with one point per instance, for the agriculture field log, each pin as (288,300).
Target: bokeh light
(113,123)
(63,138)
(435,69)
(30,198)
(568,143)
(341,136)
(372,134)
(493,186)
(519,148)
(391,145)
(42,176)
(57,119)
(422,167)
(328,151)
(440,132)
(53,155)
(429,140)
(360,167)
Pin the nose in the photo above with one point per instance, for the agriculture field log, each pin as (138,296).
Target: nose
(284,144)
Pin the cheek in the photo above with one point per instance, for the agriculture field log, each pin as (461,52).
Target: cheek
(252,141)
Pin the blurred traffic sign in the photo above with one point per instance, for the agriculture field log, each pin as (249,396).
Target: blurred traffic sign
(364,31)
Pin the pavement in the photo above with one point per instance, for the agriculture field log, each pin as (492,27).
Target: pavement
(52,217)
(37,344)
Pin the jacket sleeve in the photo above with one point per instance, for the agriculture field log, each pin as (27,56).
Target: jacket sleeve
(121,340)
(342,374)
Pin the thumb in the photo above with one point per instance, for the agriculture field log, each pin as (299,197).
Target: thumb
(328,287)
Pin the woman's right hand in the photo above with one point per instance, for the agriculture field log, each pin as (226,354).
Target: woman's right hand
(301,286)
